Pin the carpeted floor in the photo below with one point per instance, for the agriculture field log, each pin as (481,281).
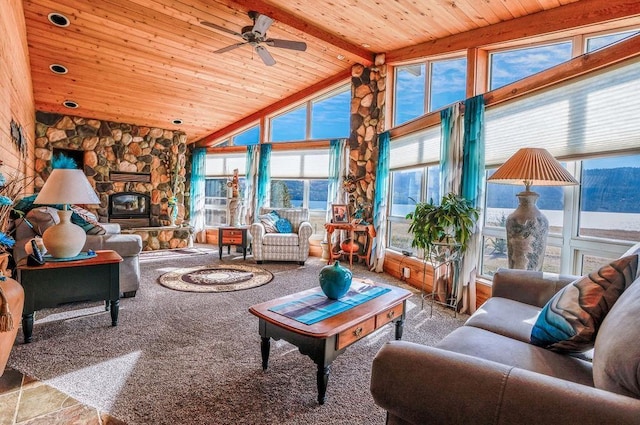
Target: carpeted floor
(183,358)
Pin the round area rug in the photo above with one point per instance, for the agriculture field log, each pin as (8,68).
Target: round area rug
(230,277)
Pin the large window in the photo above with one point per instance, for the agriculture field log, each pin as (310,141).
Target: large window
(323,117)
(609,198)
(418,91)
(219,170)
(409,187)
(600,41)
(512,65)
(300,179)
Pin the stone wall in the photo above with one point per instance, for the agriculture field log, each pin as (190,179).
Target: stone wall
(109,146)
(368,91)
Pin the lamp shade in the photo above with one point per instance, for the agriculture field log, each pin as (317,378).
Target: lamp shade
(67,186)
(533,167)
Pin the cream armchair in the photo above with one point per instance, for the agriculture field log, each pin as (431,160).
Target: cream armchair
(292,246)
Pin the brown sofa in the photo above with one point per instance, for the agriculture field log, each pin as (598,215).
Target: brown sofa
(128,246)
(487,372)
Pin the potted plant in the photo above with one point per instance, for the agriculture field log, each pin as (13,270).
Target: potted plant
(450,223)
(443,232)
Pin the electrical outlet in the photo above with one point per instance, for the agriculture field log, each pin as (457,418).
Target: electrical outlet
(406,272)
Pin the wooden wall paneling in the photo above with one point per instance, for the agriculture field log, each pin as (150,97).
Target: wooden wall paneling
(16,93)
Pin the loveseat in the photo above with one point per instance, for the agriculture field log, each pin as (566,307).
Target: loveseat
(488,371)
(269,243)
(128,246)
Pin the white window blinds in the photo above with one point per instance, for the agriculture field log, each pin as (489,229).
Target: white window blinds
(222,165)
(589,115)
(419,148)
(310,164)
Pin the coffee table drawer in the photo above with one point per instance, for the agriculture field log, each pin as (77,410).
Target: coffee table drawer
(354,333)
(389,315)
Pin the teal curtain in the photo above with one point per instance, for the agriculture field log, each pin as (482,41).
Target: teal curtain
(472,188)
(264,177)
(380,204)
(251,183)
(338,169)
(197,191)
(450,151)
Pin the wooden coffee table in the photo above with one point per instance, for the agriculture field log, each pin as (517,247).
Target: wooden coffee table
(325,340)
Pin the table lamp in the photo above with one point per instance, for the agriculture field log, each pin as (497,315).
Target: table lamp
(527,227)
(65,186)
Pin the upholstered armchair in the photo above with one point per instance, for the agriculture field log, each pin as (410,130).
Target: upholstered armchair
(270,245)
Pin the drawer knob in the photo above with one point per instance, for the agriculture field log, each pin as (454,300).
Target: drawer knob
(358,331)
(391,314)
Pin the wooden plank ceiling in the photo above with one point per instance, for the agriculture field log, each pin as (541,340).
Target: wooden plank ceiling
(148,62)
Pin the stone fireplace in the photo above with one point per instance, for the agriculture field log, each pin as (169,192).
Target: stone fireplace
(119,158)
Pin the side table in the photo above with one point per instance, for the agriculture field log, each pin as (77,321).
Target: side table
(55,283)
(238,236)
(352,228)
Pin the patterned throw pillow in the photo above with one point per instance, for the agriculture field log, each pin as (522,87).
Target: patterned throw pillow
(569,322)
(283,225)
(87,220)
(269,221)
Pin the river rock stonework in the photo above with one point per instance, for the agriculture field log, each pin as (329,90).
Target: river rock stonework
(368,91)
(118,147)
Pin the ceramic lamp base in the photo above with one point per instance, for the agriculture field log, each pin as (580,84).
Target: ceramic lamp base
(527,230)
(65,239)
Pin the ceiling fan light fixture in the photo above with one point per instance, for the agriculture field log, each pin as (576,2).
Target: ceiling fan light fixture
(70,104)
(58,19)
(56,68)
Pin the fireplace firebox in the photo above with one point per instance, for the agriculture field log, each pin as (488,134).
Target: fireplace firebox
(130,209)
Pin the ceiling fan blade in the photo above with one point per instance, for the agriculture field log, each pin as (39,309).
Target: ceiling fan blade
(265,56)
(220,28)
(226,49)
(287,44)
(262,24)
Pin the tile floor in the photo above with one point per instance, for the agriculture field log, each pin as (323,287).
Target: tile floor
(27,401)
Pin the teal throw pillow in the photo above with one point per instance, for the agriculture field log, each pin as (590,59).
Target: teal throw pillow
(269,221)
(26,204)
(569,322)
(283,225)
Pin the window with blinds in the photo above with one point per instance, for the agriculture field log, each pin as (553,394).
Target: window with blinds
(583,117)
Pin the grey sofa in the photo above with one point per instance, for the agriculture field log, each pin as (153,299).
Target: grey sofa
(292,246)
(128,246)
(487,372)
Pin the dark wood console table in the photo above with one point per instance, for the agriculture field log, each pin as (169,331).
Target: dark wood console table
(55,283)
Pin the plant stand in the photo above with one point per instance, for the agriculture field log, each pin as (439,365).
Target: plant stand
(445,260)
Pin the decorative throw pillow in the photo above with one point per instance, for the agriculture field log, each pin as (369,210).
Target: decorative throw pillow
(570,320)
(87,220)
(269,221)
(283,225)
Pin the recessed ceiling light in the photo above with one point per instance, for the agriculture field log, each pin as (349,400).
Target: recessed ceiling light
(365,45)
(341,57)
(70,104)
(177,121)
(58,19)
(56,68)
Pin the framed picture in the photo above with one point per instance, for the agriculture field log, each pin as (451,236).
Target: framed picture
(340,213)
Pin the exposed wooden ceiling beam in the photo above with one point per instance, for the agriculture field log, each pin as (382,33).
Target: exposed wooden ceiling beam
(574,15)
(350,51)
(255,117)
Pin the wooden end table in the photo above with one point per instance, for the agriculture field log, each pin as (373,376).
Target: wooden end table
(55,283)
(325,340)
(238,236)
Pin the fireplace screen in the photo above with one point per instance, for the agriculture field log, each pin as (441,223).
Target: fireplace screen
(125,205)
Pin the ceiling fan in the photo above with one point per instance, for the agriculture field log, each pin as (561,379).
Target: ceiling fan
(256,35)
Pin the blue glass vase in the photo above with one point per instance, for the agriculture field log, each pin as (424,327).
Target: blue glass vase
(335,280)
